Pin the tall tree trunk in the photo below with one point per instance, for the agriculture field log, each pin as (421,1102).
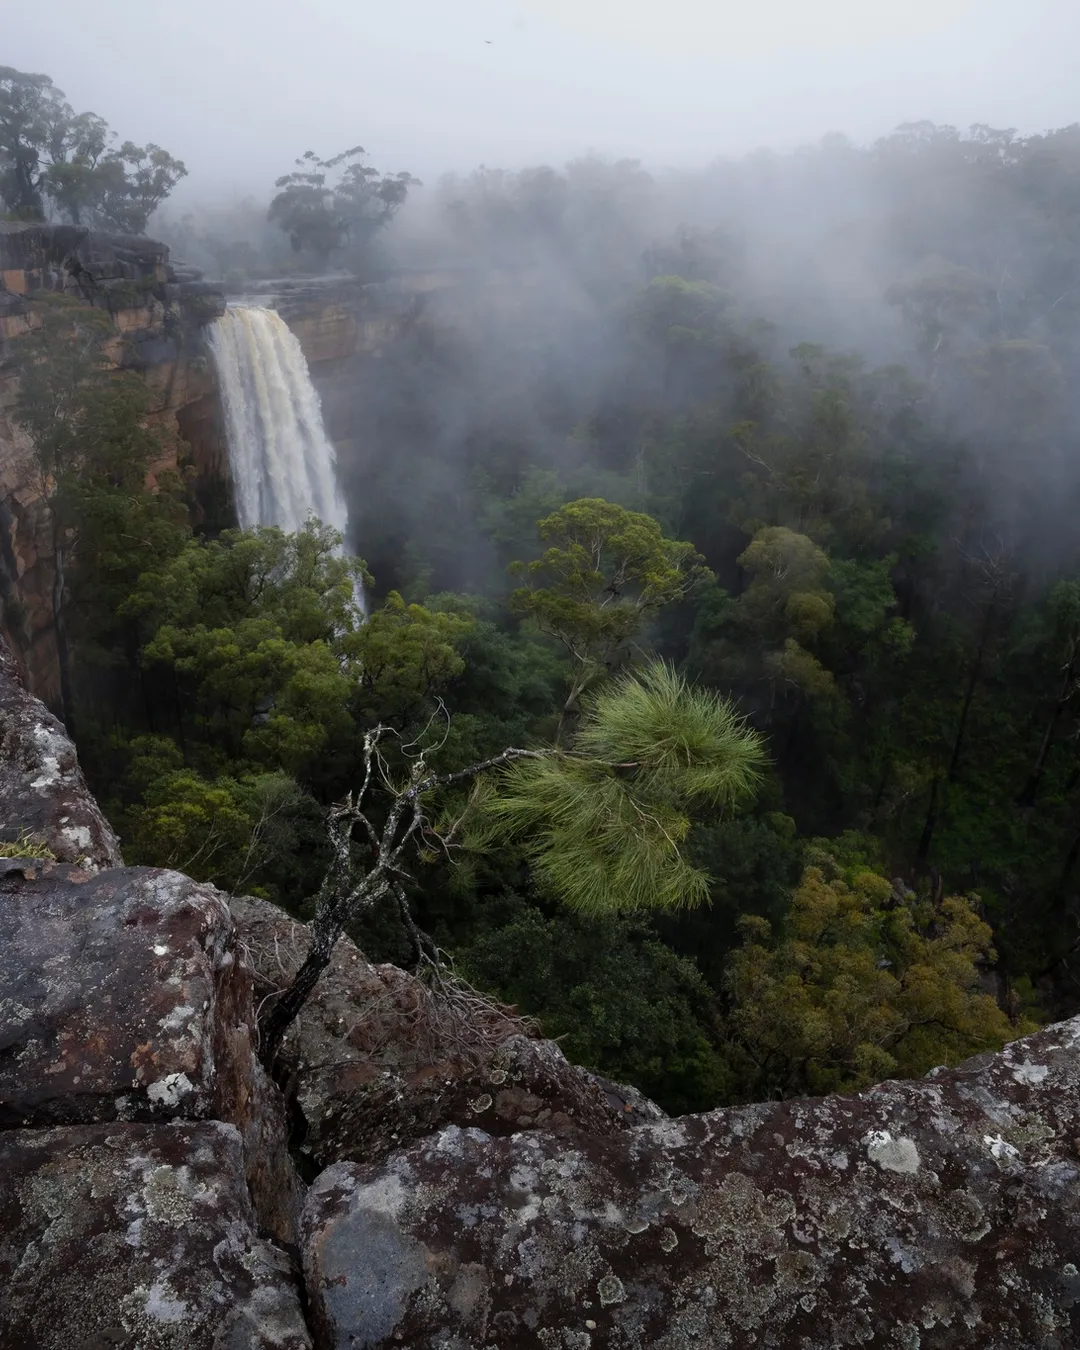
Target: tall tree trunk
(1027,797)
(1067,867)
(972,685)
(930,824)
(63,650)
(570,714)
(932,812)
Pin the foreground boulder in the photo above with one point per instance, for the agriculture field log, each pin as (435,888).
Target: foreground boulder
(922,1215)
(122,998)
(120,993)
(43,795)
(376,1060)
(118,1237)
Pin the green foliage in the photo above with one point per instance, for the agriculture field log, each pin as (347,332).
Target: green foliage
(754,862)
(93,451)
(787,595)
(48,153)
(252,631)
(230,831)
(607,570)
(894,608)
(404,656)
(26,845)
(861,984)
(602,825)
(619,1001)
(326,205)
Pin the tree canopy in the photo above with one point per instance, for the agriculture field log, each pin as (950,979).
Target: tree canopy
(54,160)
(788,660)
(326,206)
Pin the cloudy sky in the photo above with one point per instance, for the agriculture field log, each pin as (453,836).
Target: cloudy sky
(237,88)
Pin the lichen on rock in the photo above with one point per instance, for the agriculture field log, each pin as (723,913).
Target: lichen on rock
(137,1236)
(377,1059)
(43,794)
(929,1214)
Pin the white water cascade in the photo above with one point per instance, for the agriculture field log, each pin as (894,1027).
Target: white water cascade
(283,464)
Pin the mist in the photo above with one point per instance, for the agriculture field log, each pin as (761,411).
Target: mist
(237,89)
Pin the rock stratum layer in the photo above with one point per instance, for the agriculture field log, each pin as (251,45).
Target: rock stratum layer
(488,1197)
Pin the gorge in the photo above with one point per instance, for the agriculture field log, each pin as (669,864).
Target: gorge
(671,877)
(236,390)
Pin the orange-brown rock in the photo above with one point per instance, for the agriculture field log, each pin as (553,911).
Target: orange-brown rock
(377,1058)
(157,333)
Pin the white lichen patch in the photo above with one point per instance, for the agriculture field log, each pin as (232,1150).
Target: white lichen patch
(79,835)
(178,1019)
(1000,1148)
(384,1196)
(171,1090)
(50,748)
(168,1195)
(892,1155)
(1030,1074)
(162,1303)
(665,1134)
(160,949)
(611,1290)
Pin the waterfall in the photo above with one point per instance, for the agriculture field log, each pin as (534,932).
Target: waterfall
(283,465)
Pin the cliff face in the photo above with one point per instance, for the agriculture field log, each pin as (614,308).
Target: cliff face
(344,325)
(158,311)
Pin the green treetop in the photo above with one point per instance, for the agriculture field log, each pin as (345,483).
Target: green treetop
(860,984)
(606,571)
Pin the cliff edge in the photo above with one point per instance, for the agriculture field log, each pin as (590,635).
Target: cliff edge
(148,1194)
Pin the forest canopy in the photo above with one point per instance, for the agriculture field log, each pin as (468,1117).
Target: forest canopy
(738,503)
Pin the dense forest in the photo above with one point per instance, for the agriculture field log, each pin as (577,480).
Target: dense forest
(786,447)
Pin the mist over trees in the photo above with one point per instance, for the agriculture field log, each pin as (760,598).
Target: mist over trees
(336,206)
(794,433)
(55,162)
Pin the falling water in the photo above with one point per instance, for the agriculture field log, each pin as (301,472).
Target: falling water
(283,465)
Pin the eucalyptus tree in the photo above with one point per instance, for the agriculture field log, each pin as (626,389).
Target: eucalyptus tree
(52,158)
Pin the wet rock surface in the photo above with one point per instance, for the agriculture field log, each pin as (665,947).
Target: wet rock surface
(919,1215)
(137,1237)
(158,311)
(42,790)
(376,1060)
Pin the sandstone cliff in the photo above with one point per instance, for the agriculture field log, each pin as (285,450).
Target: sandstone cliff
(158,310)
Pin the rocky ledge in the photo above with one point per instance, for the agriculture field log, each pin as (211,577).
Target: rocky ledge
(470,1188)
(941,1213)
